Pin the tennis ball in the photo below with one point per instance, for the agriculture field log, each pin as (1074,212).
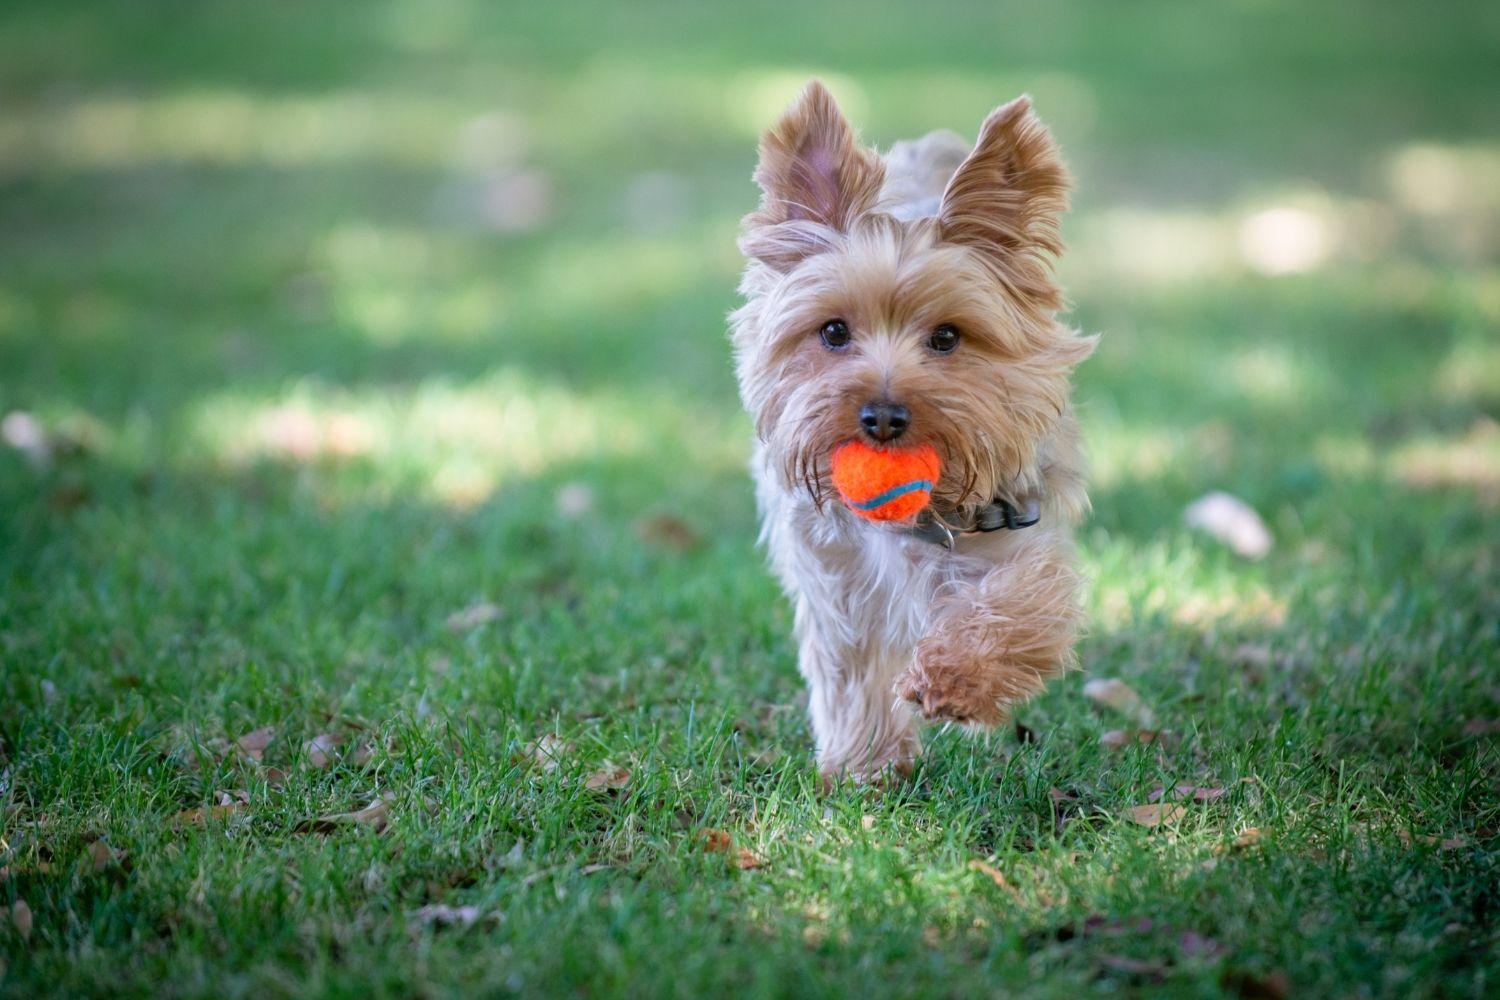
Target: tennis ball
(885,484)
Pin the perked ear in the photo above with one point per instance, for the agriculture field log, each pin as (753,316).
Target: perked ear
(1005,199)
(814,177)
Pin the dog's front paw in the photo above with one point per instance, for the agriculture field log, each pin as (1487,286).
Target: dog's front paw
(950,688)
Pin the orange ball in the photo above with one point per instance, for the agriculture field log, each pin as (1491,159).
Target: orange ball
(885,484)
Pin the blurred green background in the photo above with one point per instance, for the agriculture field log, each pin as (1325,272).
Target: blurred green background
(322,322)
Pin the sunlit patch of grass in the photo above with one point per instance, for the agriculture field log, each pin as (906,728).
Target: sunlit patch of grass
(240,128)
(1182,584)
(1274,373)
(457,442)
(1471,460)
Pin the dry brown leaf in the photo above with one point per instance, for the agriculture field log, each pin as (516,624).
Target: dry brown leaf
(319,750)
(1157,814)
(669,531)
(1197,793)
(547,752)
(1113,693)
(867,822)
(203,814)
(1118,739)
(20,915)
(1232,521)
(992,873)
(715,841)
(607,778)
(747,860)
(439,915)
(238,796)
(102,856)
(1482,727)
(1248,838)
(474,616)
(253,744)
(376,816)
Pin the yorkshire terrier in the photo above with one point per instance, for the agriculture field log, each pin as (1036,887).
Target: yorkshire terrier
(909,300)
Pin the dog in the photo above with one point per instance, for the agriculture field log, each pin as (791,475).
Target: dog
(909,300)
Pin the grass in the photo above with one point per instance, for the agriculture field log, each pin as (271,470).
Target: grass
(305,405)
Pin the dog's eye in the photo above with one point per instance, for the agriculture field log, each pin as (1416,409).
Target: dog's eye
(944,339)
(834,334)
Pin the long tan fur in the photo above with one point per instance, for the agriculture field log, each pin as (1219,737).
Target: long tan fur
(891,628)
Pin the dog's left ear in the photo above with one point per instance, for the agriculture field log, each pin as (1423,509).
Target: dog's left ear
(1005,199)
(815,180)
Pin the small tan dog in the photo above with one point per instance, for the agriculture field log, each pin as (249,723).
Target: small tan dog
(912,297)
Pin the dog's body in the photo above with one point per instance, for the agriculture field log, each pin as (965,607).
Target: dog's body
(919,285)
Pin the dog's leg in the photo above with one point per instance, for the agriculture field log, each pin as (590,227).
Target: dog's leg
(996,640)
(862,730)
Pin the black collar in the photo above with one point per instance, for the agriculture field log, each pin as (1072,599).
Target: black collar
(999,513)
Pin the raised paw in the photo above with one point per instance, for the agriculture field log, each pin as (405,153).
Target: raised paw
(947,692)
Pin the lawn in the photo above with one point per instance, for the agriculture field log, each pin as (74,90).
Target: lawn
(380,608)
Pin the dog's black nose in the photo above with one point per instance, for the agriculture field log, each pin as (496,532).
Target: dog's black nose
(884,421)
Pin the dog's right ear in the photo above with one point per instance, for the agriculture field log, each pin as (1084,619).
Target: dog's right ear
(815,181)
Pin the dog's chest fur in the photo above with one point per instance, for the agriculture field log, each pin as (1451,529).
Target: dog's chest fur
(873,586)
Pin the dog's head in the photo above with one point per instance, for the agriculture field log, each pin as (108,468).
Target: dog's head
(936,330)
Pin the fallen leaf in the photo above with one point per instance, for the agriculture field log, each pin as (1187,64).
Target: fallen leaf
(26,434)
(992,873)
(1248,838)
(607,778)
(236,797)
(867,822)
(101,856)
(474,616)
(1198,793)
(669,531)
(439,915)
(547,752)
(715,841)
(1155,815)
(376,816)
(1482,727)
(1111,692)
(747,859)
(1118,739)
(574,500)
(20,915)
(1255,655)
(203,814)
(318,751)
(1232,521)
(1453,843)
(253,744)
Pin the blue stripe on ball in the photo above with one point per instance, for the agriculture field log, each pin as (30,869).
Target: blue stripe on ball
(881,499)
